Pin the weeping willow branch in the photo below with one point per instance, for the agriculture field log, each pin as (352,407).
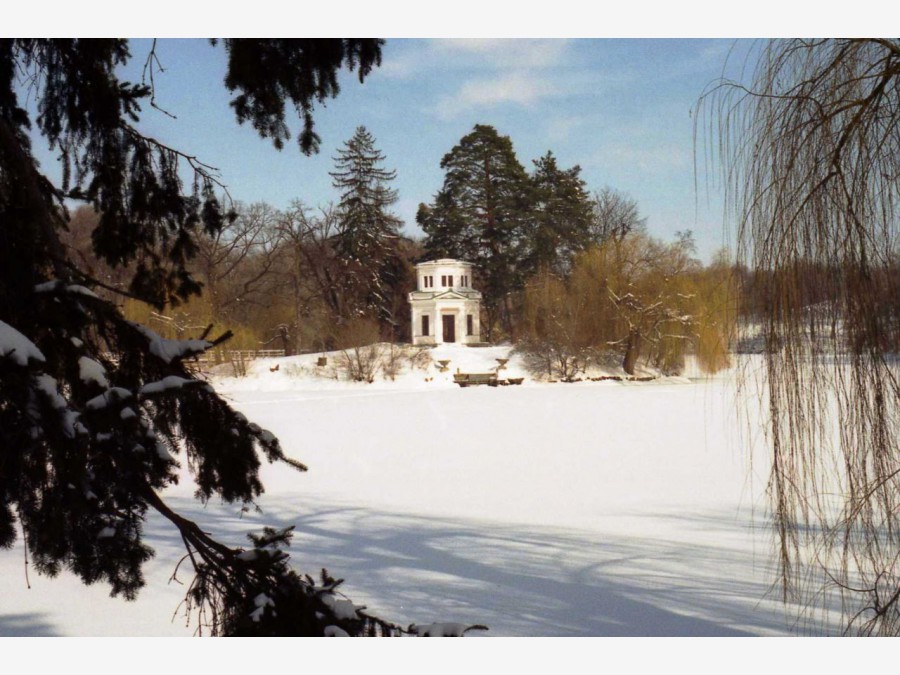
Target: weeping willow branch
(810,156)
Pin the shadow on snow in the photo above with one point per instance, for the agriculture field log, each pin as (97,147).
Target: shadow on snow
(527,580)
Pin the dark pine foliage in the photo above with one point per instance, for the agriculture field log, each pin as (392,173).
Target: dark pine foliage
(94,410)
(368,239)
(481,215)
(561,217)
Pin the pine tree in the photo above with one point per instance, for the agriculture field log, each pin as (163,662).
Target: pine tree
(481,215)
(94,410)
(368,237)
(561,219)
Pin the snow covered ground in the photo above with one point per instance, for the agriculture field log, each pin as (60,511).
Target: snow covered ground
(585,509)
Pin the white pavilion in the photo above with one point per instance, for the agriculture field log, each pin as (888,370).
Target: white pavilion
(445,307)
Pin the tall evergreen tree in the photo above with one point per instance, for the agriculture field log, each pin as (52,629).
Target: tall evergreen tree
(367,241)
(94,410)
(481,215)
(561,217)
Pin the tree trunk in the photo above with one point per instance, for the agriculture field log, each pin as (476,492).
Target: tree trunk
(508,319)
(632,349)
(285,336)
(298,318)
(487,327)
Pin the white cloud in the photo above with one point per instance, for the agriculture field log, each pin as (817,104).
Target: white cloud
(404,60)
(505,72)
(515,87)
(483,72)
(504,53)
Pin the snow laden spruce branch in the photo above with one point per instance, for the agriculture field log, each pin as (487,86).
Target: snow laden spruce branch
(121,446)
(94,409)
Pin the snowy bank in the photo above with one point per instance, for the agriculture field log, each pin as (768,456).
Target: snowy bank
(396,367)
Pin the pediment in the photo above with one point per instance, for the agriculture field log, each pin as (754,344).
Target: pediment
(449,294)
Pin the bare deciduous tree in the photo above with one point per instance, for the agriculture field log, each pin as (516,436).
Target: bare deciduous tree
(554,339)
(235,263)
(644,296)
(615,215)
(636,297)
(310,266)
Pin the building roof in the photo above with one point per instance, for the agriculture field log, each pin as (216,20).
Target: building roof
(444,261)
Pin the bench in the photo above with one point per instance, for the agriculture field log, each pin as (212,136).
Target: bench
(467,379)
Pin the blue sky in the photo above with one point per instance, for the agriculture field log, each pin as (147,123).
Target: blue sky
(619,108)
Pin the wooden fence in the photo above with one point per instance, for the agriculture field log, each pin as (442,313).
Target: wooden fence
(238,358)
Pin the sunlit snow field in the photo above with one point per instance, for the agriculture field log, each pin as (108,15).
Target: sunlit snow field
(585,509)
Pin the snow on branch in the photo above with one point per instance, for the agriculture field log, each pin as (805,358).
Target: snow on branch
(17,347)
(91,372)
(57,286)
(171,350)
(111,396)
(171,383)
(444,629)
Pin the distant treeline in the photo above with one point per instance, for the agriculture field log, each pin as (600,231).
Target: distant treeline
(556,262)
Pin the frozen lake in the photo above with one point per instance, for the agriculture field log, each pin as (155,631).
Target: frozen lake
(586,509)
